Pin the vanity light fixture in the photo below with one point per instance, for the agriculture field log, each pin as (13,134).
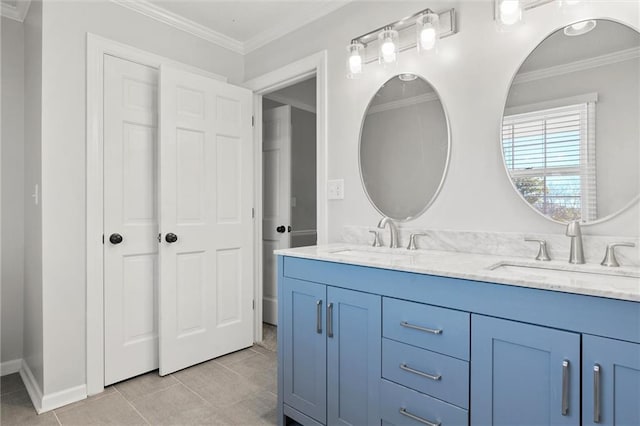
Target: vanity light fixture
(508,12)
(579,28)
(388,46)
(355,60)
(427,30)
(392,39)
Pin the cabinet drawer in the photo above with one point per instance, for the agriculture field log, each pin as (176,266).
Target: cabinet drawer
(396,399)
(438,329)
(438,375)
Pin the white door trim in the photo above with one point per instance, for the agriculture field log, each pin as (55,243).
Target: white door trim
(302,69)
(97,47)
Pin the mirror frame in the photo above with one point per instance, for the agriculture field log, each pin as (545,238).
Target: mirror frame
(445,171)
(624,208)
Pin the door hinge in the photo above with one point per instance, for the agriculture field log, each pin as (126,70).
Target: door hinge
(253,304)
(253,213)
(102,238)
(253,121)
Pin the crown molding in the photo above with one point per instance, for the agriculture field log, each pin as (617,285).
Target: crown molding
(275,33)
(401,103)
(17,12)
(581,65)
(161,14)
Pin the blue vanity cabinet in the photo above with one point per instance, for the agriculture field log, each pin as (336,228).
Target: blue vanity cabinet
(331,342)
(610,382)
(523,374)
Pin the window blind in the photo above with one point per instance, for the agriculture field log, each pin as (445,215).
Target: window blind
(548,156)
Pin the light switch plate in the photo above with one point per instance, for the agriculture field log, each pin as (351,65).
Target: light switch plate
(335,189)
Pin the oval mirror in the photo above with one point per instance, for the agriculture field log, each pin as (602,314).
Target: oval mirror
(570,130)
(404,147)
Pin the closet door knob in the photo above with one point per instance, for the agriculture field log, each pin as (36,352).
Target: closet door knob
(281,229)
(115,238)
(171,238)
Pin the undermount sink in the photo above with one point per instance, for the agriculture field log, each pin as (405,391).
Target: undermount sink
(582,272)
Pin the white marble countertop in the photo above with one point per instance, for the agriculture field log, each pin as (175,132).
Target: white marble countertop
(588,279)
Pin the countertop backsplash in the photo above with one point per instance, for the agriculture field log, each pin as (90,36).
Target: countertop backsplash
(499,243)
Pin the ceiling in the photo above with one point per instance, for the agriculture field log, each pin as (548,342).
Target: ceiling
(239,25)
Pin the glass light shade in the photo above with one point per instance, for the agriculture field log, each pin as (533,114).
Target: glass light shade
(509,12)
(355,60)
(579,28)
(427,32)
(388,46)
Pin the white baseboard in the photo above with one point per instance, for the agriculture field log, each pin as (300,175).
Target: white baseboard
(34,391)
(55,400)
(10,367)
(270,310)
(43,403)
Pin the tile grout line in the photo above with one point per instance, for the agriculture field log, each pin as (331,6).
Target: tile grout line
(57,418)
(194,392)
(153,392)
(132,406)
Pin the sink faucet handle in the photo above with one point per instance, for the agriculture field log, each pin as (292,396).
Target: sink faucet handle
(412,240)
(376,239)
(610,254)
(543,254)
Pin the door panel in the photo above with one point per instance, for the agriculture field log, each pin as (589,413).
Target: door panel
(130,209)
(353,357)
(517,374)
(276,211)
(206,288)
(305,347)
(619,382)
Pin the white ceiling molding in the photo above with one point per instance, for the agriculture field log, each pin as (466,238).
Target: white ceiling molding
(276,32)
(17,11)
(401,103)
(161,14)
(581,65)
(290,101)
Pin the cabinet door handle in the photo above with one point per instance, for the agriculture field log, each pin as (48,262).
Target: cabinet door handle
(565,387)
(319,316)
(435,377)
(417,327)
(330,320)
(418,418)
(596,393)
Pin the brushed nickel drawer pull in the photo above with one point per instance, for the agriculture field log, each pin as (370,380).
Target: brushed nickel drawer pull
(565,387)
(417,327)
(434,377)
(319,316)
(418,418)
(330,320)
(596,393)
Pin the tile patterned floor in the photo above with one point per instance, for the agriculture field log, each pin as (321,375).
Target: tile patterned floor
(236,389)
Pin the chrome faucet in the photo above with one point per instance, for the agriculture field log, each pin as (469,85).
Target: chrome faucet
(576,254)
(393,240)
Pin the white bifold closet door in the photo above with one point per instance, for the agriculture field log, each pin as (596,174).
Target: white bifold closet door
(130,219)
(206,181)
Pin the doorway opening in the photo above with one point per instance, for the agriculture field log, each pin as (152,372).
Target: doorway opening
(289,196)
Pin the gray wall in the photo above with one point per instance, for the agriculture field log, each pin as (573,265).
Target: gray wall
(472,75)
(33,305)
(12,188)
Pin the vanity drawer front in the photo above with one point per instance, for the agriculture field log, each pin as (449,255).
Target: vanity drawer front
(437,375)
(398,404)
(438,329)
